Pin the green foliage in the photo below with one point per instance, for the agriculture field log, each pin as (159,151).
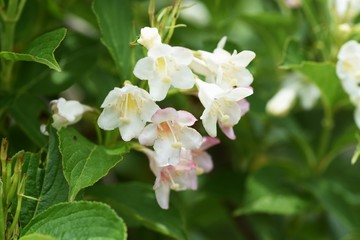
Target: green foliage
(84,162)
(78,220)
(41,50)
(116,39)
(137,202)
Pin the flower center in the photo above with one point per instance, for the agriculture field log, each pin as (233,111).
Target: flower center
(166,128)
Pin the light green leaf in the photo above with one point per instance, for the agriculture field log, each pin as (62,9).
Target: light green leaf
(117,39)
(37,236)
(41,50)
(265,194)
(84,162)
(137,202)
(77,221)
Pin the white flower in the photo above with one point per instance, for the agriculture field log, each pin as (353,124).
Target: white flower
(67,112)
(295,86)
(195,12)
(169,132)
(225,69)
(348,70)
(346,9)
(127,108)
(223,106)
(165,66)
(149,37)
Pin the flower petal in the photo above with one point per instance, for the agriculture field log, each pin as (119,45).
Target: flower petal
(111,98)
(185,118)
(160,50)
(162,193)
(183,78)
(243,58)
(132,128)
(148,135)
(228,131)
(190,138)
(182,56)
(209,121)
(108,119)
(158,88)
(144,68)
(165,153)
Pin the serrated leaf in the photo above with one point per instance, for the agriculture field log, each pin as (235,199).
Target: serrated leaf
(137,202)
(41,50)
(84,162)
(116,39)
(54,189)
(36,236)
(78,220)
(34,181)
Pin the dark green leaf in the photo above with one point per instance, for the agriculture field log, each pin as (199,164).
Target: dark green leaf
(137,201)
(55,188)
(84,162)
(33,186)
(266,193)
(26,111)
(117,39)
(41,50)
(78,220)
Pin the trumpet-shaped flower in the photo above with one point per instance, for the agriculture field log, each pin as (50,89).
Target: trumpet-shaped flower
(169,132)
(165,66)
(127,108)
(347,69)
(149,37)
(222,106)
(177,177)
(67,112)
(225,69)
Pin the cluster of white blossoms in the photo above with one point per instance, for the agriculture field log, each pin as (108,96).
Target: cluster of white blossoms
(348,70)
(176,151)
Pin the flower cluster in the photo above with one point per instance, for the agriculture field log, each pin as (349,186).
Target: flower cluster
(348,71)
(176,150)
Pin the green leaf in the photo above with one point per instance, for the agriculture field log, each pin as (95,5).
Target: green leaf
(137,202)
(323,75)
(84,162)
(26,110)
(41,50)
(78,220)
(37,236)
(116,39)
(265,193)
(339,201)
(55,189)
(33,185)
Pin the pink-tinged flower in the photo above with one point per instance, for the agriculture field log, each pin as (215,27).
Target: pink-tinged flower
(165,66)
(127,108)
(225,69)
(149,37)
(169,133)
(179,177)
(222,106)
(67,112)
(202,159)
